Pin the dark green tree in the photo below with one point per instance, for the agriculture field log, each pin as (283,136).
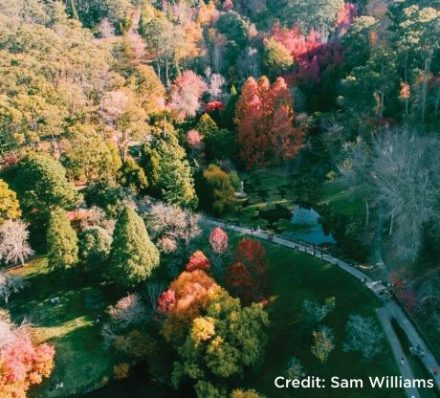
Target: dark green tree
(132,176)
(169,172)
(62,241)
(94,249)
(133,256)
(41,185)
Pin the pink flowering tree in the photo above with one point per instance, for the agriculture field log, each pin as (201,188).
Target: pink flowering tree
(194,139)
(186,93)
(22,363)
(218,240)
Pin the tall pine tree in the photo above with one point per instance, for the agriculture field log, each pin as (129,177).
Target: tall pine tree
(133,256)
(169,172)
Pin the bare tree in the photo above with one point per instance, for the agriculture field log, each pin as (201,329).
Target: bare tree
(14,245)
(9,285)
(355,172)
(399,171)
(364,336)
(404,170)
(173,222)
(316,312)
(154,290)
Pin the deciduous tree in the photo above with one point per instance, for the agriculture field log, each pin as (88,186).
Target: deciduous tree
(265,119)
(14,246)
(9,206)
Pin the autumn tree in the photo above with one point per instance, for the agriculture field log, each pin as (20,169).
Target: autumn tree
(206,126)
(218,239)
(186,93)
(247,276)
(133,256)
(88,157)
(265,117)
(148,87)
(198,260)
(9,206)
(239,331)
(22,363)
(319,15)
(62,241)
(323,343)
(187,296)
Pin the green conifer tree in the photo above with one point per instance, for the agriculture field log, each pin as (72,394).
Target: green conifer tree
(133,256)
(62,241)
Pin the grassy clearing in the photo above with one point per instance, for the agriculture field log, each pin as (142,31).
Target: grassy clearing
(295,277)
(70,325)
(82,363)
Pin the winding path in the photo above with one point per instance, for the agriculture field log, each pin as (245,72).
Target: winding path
(390,309)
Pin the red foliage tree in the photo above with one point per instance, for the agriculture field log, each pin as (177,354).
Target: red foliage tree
(265,118)
(212,106)
(186,92)
(218,240)
(198,260)
(166,301)
(247,277)
(345,18)
(312,53)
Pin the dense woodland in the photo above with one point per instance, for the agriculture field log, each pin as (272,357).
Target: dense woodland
(124,123)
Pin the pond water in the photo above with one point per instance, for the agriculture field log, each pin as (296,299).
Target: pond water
(307,227)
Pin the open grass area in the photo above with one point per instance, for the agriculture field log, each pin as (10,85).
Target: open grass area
(293,278)
(82,363)
(70,325)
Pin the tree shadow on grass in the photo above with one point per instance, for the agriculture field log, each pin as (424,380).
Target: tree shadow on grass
(51,299)
(81,363)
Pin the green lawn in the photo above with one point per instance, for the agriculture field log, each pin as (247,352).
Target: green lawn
(294,277)
(81,362)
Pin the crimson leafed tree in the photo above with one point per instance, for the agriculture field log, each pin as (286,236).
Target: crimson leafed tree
(265,119)
(247,276)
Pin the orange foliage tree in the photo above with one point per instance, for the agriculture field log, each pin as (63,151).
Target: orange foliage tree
(22,363)
(265,119)
(184,300)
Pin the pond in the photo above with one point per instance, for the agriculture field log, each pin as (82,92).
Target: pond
(306,226)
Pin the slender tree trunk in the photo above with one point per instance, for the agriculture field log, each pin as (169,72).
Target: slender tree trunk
(158,68)
(425,85)
(74,10)
(367,212)
(167,73)
(392,222)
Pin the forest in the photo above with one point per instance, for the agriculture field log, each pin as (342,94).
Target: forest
(200,196)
